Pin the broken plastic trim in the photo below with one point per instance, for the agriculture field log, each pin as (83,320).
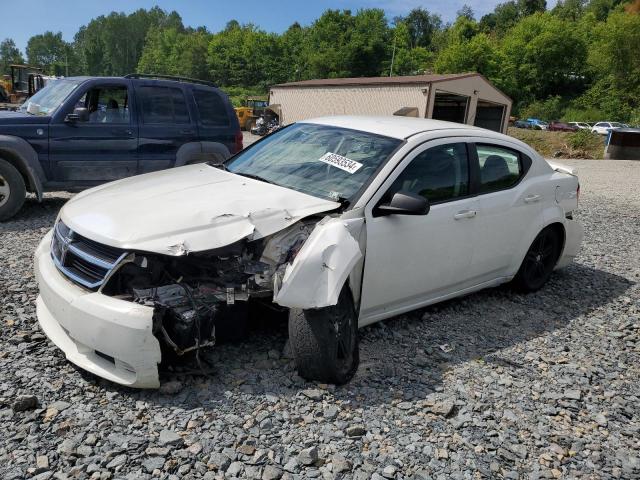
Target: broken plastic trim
(317,274)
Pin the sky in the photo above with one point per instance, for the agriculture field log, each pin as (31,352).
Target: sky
(66,16)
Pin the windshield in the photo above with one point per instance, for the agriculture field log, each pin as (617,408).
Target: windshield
(47,100)
(328,162)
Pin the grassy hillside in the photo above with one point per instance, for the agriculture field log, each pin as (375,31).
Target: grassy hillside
(582,144)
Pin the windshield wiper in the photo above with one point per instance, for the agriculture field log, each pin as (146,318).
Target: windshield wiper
(254,177)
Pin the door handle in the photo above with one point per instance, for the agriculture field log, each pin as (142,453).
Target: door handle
(126,132)
(465,214)
(532,199)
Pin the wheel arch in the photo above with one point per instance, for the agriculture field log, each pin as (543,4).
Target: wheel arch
(24,158)
(200,152)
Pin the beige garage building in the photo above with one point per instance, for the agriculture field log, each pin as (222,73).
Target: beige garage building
(464,98)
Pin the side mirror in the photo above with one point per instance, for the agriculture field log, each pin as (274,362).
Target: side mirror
(403,203)
(78,115)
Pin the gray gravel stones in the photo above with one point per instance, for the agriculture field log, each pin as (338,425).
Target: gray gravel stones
(169,437)
(308,456)
(537,386)
(25,402)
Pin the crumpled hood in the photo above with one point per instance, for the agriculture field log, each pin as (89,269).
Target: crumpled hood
(186,209)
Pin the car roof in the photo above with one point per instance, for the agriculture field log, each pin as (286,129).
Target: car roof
(396,127)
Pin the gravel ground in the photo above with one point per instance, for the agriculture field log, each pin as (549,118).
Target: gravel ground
(494,385)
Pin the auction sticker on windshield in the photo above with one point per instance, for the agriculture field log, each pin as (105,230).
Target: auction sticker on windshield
(338,161)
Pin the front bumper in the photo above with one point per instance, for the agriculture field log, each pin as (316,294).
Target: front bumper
(108,337)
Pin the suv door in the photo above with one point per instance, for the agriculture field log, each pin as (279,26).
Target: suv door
(412,260)
(509,206)
(166,124)
(102,148)
(216,119)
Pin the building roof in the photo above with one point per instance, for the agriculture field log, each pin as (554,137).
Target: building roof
(401,80)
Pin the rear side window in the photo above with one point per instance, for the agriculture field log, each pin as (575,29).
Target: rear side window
(163,105)
(500,168)
(439,174)
(211,108)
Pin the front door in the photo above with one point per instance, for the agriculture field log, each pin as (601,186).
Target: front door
(412,260)
(101,148)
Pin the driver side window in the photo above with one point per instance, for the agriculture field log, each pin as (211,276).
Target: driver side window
(106,104)
(439,174)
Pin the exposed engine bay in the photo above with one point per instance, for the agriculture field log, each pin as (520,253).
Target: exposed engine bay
(195,295)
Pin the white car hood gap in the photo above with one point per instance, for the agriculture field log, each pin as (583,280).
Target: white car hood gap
(187,209)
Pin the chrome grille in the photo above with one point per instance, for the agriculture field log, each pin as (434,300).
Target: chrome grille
(82,260)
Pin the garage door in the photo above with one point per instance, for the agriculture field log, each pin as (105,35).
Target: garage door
(450,107)
(489,115)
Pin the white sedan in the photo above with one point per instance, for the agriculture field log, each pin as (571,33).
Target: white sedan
(341,222)
(603,128)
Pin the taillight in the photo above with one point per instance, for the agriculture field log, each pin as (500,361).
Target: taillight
(238,141)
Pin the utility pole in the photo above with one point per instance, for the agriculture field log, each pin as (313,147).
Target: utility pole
(393,55)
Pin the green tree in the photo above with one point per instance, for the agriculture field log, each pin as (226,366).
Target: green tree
(9,54)
(340,44)
(170,51)
(113,44)
(467,12)
(408,60)
(569,9)
(545,57)
(50,52)
(422,26)
(478,54)
(614,59)
(503,17)
(529,7)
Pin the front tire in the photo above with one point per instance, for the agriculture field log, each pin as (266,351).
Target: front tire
(324,341)
(539,261)
(12,190)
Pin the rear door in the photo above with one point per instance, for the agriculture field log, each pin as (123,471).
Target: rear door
(104,147)
(509,206)
(166,123)
(217,121)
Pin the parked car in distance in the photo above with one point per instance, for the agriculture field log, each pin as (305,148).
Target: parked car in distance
(339,221)
(581,125)
(562,127)
(602,128)
(522,124)
(538,124)
(79,132)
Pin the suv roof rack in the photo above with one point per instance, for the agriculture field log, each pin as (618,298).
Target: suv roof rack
(170,77)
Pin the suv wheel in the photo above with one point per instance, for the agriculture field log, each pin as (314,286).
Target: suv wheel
(12,190)
(324,341)
(539,261)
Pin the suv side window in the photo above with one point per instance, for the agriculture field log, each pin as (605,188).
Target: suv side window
(163,105)
(500,168)
(106,104)
(439,174)
(211,109)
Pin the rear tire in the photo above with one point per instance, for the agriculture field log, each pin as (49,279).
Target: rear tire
(539,262)
(324,341)
(12,190)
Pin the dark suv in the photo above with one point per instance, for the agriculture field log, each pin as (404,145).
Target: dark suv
(80,132)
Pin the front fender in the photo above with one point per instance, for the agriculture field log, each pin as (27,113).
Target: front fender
(316,276)
(21,155)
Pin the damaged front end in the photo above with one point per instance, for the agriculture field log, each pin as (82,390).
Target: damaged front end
(198,295)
